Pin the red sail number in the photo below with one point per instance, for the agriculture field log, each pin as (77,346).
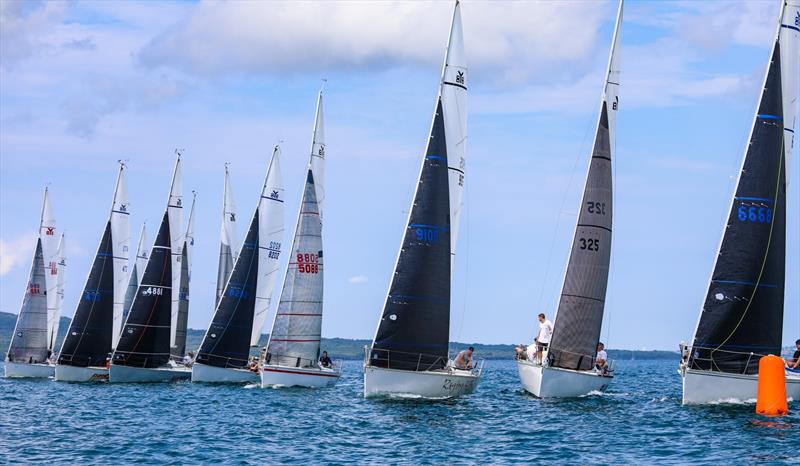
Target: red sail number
(308,263)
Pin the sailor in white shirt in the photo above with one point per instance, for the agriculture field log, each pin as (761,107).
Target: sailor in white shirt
(601,360)
(543,337)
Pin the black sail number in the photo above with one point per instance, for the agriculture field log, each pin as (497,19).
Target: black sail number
(596,207)
(589,244)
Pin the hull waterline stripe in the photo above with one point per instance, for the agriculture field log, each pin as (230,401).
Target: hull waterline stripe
(298,373)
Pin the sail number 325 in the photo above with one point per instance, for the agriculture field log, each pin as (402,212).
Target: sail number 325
(307,263)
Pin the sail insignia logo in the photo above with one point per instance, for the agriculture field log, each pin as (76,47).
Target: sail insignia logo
(50,231)
(233,217)
(123,207)
(53,268)
(797,19)
(274,194)
(321,150)
(460,78)
(615,105)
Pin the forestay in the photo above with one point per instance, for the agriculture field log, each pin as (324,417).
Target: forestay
(579,317)
(413,332)
(743,311)
(250,284)
(227,238)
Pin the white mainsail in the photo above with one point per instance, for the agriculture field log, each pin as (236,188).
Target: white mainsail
(790,70)
(61,282)
(47,234)
(120,244)
(296,331)
(175,215)
(453,94)
(228,237)
(270,236)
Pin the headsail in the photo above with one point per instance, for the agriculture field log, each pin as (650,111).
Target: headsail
(579,317)
(120,244)
(139,263)
(743,311)
(415,323)
(94,330)
(228,237)
(249,287)
(790,74)
(29,341)
(179,350)
(62,280)
(175,214)
(318,156)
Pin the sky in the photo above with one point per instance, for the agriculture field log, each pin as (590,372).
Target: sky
(84,84)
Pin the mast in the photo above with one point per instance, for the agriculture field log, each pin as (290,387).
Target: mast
(93,330)
(579,316)
(415,322)
(297,328)
(228,236)
(227,341)
(186,270)
(743,310)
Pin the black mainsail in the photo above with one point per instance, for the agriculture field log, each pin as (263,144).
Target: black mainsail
(743,311)
(414,329)
(144,341)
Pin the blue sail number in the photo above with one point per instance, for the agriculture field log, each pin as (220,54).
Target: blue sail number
(754,214)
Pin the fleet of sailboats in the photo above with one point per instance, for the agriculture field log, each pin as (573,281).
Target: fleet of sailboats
(567,367)
(130,323)
(742,314)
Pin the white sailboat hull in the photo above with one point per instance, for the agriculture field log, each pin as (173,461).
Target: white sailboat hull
(553,382)
(379,381)
(211,374)
(125,374)
(707,387)
(65,373)
(282,376)
(33,371)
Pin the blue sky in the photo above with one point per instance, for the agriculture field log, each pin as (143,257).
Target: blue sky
(83,84)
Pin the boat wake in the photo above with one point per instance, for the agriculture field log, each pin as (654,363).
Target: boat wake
(599,393)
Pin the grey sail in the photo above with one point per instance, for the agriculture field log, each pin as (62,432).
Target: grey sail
(133,284)
(224,269)
(579,318)
(29,341)
(742,314)
(295,336)
(179,350)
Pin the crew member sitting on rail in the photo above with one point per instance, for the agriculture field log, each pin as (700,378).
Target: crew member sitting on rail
(794,362)
(463,360)
(325,360)
(601,360)
(188,360)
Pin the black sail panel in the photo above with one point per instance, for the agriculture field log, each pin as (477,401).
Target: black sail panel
(414,329)
(580,310)
(227,340)
(743,310)
(144,341)
(89,338)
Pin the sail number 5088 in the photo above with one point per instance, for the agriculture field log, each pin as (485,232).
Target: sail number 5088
(307,263)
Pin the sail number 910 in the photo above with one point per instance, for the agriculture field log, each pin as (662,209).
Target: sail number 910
(307,263)
(754,214)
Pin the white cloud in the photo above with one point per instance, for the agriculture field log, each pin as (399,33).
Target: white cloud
(357,279)
(16,252)
(511,43)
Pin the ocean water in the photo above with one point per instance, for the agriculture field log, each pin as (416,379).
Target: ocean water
(639,420)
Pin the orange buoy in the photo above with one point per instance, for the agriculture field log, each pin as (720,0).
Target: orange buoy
(771,399)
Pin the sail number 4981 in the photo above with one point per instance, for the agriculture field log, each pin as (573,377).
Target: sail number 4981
(307,263)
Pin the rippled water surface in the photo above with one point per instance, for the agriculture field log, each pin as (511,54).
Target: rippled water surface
(640,419)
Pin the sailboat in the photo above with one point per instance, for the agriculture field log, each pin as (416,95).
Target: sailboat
(37,323)
(409,354)
(227,237)
(139,263)
(178,351)
(567,368)
(742,315)
(95,327)
(143,351)
(292,357)
(240,313)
